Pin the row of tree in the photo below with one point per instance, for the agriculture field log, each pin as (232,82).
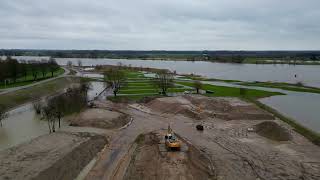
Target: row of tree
(11,69)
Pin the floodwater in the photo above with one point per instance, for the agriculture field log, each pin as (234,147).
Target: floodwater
(23,124)
(302,107)
(307,74)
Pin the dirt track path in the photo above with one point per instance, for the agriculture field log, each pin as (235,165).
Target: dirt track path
(114,154)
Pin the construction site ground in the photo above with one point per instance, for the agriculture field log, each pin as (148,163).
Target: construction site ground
(239,141)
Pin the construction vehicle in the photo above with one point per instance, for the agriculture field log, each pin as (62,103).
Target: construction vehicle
(171,141)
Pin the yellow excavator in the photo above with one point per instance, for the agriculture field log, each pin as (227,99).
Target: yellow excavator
(171,141)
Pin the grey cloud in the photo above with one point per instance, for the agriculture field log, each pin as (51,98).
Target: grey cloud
(160,24)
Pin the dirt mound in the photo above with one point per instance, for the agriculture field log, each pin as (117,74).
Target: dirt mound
(229,108)
(217,104)
(54,156)
(150,161)
(100,118)
(273,131)
(174,105)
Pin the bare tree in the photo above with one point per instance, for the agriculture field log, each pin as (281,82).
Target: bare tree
(53,65)
(163,80)
(3,114)
(79,63)
(58,107)
(197,85)
(48,114)
(69,64)
(114,78)
(37,106)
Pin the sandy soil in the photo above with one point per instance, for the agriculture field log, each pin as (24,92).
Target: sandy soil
(100,118)
(151,160)
(232,150)
(59,155)
(200,107)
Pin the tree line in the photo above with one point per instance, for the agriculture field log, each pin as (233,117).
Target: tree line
(12,69)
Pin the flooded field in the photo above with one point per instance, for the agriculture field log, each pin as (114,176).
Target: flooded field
(309,75)
(23,124)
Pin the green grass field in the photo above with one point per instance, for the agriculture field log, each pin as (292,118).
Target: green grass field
(232,91)
(22,81)
(138,86)
(142,87)
(22,96)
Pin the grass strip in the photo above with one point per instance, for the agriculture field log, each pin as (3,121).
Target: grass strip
(16,98)
(284,86)
(233,91)
(22,81)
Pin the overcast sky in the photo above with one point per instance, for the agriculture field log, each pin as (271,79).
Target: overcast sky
(160,24)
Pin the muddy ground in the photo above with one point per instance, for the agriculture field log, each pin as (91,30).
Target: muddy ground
(60,155)
(200,107)
(151,160)
(236,142)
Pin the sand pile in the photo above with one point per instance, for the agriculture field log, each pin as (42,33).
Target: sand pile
(273,131)
(216,104)
(100,118)
(174,105)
